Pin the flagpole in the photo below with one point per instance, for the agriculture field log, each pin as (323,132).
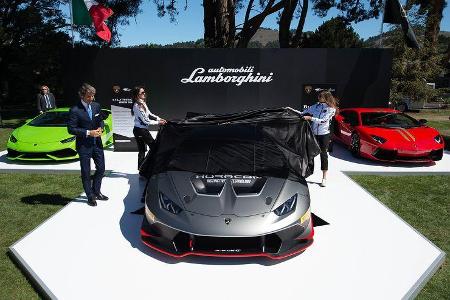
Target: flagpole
(71,23)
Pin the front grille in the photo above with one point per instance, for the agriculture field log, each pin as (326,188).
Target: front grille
(63,153)
(227,245)
(384,154)
(437,154)
(13,153)
(32,155)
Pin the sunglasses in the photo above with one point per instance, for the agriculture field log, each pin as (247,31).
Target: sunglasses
(141,93)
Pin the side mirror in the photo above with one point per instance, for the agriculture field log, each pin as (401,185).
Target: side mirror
(422,121)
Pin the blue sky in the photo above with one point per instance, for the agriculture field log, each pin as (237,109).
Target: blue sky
(147,27)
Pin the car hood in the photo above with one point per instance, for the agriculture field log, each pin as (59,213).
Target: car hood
(239,195)
(42,135)
(417,136)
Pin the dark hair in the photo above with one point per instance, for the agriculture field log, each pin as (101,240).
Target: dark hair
(86,88)
(135,94)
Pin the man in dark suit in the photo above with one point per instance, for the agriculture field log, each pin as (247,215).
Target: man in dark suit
(45,100)
(86,123)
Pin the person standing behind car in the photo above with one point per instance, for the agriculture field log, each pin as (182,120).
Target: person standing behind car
(143,118)
(321,114)
(45,100)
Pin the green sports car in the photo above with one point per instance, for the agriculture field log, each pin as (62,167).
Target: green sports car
(45,137)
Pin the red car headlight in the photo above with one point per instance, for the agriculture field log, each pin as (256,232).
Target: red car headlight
(438,139)
(378,139)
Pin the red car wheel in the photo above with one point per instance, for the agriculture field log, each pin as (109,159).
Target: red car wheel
(355,145)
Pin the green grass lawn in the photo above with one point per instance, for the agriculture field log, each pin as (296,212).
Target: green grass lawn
(423,202)
(26,200)
(4,135)
(437,118)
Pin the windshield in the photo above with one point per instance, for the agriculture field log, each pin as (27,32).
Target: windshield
(385,119)
(51,119)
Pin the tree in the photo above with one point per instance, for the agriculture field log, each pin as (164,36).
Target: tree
(412,69)
(433,9)
(123,11)
(335,33)
(31,39)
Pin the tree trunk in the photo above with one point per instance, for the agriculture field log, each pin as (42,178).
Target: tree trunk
(284,34)
(434,18)
(209,23)
(253,24)
(219,23)
(301,23)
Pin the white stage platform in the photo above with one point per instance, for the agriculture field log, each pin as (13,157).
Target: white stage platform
(366,251)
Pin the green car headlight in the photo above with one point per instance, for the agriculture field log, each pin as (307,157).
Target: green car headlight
(13,139)
(68,140)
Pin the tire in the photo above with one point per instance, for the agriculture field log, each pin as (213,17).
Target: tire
(402,107)
(355,145)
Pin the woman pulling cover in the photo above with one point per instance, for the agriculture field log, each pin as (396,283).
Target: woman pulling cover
(143,117)
(321,114)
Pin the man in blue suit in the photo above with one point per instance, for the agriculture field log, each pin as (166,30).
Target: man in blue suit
(86,123)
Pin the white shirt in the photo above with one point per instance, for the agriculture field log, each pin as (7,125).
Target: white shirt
(143,118)
(321,117)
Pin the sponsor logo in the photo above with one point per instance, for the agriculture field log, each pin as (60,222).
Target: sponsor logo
(225,176)
(228,250)
(116,89)
(238,76)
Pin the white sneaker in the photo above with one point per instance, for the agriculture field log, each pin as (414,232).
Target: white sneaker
(323,183)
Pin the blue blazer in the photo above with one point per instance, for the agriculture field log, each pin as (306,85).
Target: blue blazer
(79,122)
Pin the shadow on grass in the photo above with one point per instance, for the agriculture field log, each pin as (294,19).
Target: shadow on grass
(46,199)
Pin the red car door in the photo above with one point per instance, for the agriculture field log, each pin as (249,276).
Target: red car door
(347,120)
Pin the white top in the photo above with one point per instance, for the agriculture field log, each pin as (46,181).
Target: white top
(321,117)
(143,118)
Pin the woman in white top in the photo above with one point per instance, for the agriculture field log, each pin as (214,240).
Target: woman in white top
(143,117)
(321,114)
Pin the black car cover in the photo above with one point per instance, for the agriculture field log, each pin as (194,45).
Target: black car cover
(267,142)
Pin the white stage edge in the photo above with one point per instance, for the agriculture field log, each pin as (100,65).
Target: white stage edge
(366,252)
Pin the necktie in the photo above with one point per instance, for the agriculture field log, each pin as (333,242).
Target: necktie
(46,101)
(89,110)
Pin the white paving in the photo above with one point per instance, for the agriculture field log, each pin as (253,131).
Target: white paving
(367,252)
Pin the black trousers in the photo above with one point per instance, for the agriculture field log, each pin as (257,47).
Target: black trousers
(143,139)
(324,141)
(91,186)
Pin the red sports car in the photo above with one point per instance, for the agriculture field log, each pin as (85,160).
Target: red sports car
(386,134)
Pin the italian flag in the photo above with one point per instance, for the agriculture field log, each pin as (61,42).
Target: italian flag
(88,12)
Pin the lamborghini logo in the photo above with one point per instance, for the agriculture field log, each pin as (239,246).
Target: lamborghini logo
(308,89)
(227,221)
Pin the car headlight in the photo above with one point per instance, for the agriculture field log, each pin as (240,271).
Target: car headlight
(378,139)
(287,206)
(150,216)
(306,216)
(13,139)
(438,139)
(168,204)
(68,140)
